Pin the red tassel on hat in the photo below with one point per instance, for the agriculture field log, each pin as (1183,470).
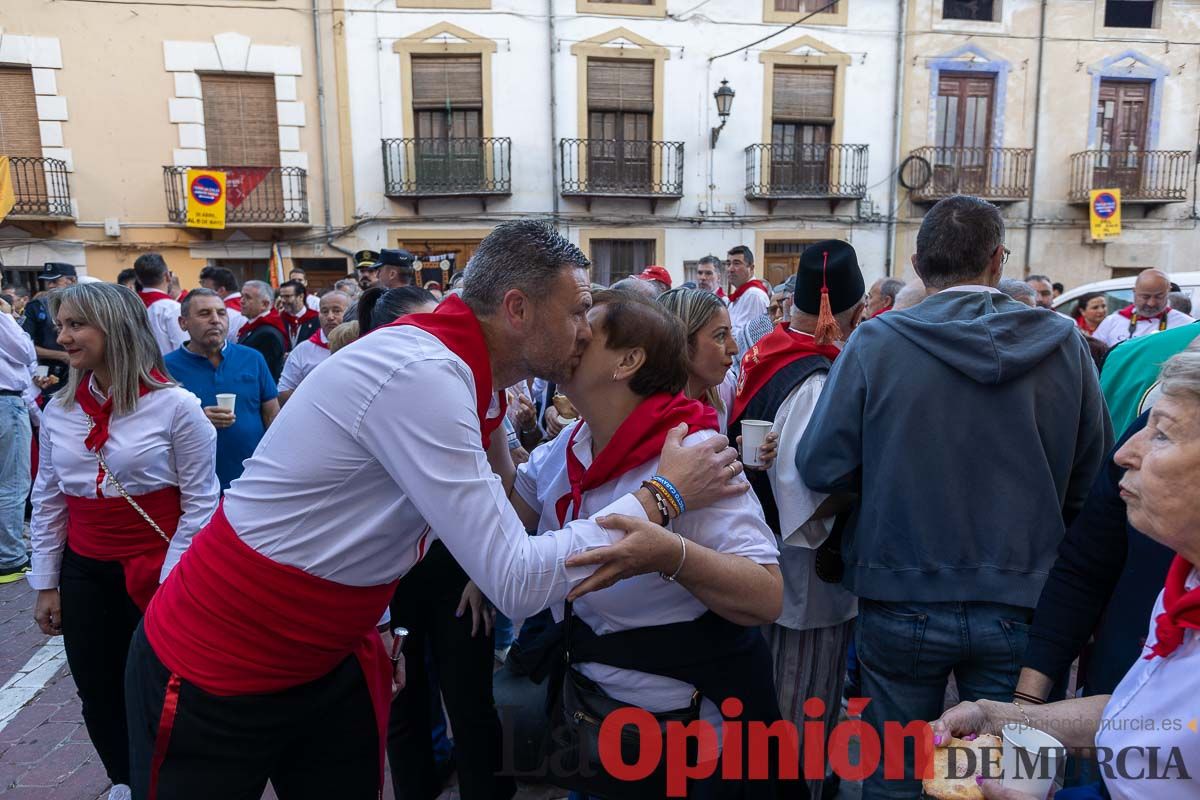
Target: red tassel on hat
(827,331)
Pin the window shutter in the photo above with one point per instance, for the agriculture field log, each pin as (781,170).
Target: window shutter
(805,5)
(19,132)
(803,93)
(439,82)
(241,122)
(620,85)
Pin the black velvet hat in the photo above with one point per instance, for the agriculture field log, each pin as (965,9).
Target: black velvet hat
(830,264)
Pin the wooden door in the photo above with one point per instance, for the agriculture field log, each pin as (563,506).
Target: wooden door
(800,157)
(619,150)
(963,133)
(1121,115)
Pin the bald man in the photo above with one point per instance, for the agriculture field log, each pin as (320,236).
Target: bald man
(1149,313)
(913,292)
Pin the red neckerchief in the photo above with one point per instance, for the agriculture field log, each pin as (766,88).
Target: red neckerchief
(741,290)
(234,301)
(881,312)
(1130,314)
(1081,323)
(453,324)
(638,439)
(1181,609)
(271,318)
(767,356)
(720,293)
(152,296)
(294,321)
(319,340)
(100,414)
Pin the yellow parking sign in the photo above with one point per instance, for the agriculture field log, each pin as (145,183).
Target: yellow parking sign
(1104,209)
(205,198)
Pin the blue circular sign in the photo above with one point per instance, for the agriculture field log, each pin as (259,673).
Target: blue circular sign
(1105,205)
(205,190)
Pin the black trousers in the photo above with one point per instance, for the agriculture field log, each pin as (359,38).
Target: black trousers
(317,740)
(424,603)
(98,620)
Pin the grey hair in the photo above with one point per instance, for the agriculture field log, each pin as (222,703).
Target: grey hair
(345,296)
(1181,374)
(130,351)
(1045,278)
(956,240)
(714,260)
(638,286)
(526,255)
(185,305)
(1180,302)
(263,288)
(890,287)
(912,294)
(1017,289)
(348,287)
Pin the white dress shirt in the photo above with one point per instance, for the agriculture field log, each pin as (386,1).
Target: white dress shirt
(312,301)
(17,356)
(1152,707)
(304,359)
(808,601)
(1115,327)
(751,305)
(734,525)
(375,446)
(164,324)
(165,441)
(236,320)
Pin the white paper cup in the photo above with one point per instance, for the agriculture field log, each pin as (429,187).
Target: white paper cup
(1031,760)
(42,371)
(227,401)
(754,433)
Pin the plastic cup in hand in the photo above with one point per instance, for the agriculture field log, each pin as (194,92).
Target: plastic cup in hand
(1031,760)
(754,433)
(41,371)
(226,402)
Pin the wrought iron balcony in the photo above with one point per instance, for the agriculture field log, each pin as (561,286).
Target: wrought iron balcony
(806,171)
(621,168)
(998,174)
(262,196)
(1144,176)
(416,168)
(41,188)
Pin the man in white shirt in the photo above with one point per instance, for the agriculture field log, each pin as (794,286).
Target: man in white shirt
(1149,313)
(153,275)
(749,297)
(223,697)
(222,281)
(17,361)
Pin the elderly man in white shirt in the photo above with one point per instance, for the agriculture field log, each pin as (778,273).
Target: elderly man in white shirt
(225,694)
(1149,312)
(163,311)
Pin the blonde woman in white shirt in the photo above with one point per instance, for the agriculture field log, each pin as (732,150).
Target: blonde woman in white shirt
(126,476)
(1147,748)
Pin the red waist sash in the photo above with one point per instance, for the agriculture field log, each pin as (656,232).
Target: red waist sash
(109,529)
(234,622)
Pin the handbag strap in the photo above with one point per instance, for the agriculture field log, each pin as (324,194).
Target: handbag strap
(121,490)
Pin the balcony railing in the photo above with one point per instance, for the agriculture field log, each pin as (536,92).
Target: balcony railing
(253,195)
(801,171)
(447,167)
(1145,176)
(999,174)
(621,168)
(41,187)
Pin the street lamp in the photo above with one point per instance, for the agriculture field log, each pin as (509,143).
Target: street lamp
(724,98)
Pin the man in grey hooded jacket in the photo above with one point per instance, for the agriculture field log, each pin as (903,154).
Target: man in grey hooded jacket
(971,427)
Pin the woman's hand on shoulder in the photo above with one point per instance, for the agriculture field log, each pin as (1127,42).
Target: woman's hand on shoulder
(704,473)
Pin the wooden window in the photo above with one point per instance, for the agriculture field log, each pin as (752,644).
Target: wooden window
(19,132)
(1122,111)
(448,115)
(614,259)
(1130,14)
(241,124)
(979,10)
(806,6)
(626,2)
(963,133)
(620,97)
(802,118)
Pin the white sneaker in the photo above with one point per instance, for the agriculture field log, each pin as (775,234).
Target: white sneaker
(120,791)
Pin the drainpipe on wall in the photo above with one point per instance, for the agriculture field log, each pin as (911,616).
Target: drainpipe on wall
(1033,157)
(316,25)
(553,111)
(893,182)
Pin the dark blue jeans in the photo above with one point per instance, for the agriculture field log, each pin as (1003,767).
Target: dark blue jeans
(906,653)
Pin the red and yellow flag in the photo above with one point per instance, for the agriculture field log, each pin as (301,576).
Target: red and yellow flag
(276,268)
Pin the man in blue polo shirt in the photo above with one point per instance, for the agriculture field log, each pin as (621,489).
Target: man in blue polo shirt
(207,365)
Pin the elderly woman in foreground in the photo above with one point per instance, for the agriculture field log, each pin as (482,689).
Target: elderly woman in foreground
(1162,465)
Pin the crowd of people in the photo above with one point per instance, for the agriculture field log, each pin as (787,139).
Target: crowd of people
(287,536)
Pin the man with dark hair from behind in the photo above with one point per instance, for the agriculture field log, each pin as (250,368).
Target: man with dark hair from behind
(222,281)
(947,567)
(155,279)
(128,278)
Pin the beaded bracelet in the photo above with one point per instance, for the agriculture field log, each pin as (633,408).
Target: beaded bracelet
(676,497)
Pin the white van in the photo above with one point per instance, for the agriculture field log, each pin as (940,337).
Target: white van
(1119,292)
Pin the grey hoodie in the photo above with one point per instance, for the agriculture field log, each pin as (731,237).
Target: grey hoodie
(972,425)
